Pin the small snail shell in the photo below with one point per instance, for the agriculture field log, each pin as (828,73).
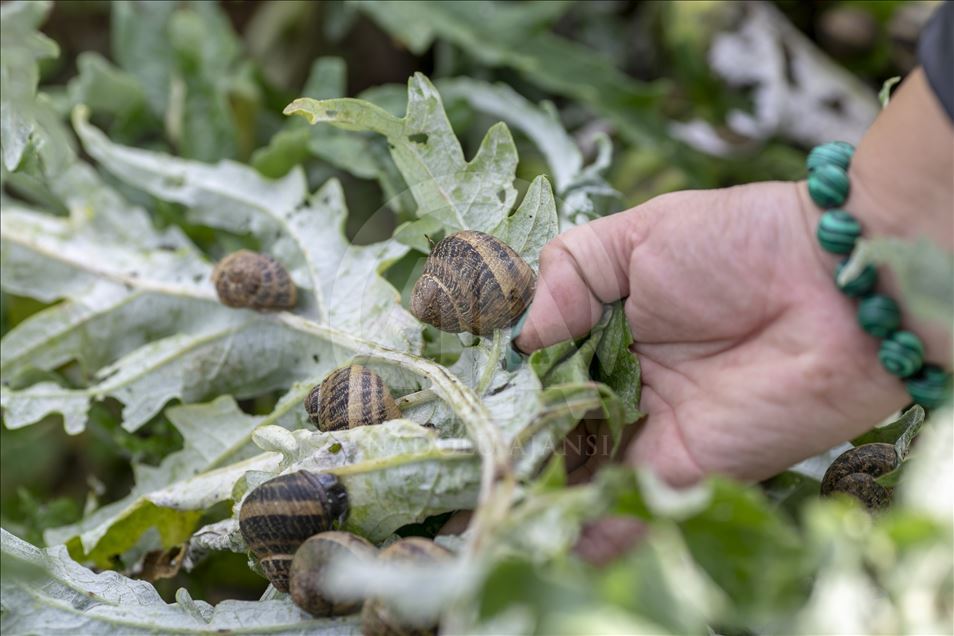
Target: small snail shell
(250,279)
(854,472)
(379,618)
(308,586)
(472,282)
(350,397)
(281,513)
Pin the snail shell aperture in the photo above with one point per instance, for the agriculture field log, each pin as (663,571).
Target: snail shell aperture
(472,282)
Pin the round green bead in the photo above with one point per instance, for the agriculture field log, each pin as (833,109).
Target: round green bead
(901,354)
(879,315)
(838,231)
(828,186)
(930,387)
(861,284)
(837,153)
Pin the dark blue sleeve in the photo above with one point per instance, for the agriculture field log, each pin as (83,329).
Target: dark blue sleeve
(936,51)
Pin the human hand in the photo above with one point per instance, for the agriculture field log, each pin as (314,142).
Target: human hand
(752,359)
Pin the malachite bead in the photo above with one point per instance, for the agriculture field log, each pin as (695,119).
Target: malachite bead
(837,153)
(828,186)
(861,284)
(901,354)
(930,387)
(879,315)
(838,231)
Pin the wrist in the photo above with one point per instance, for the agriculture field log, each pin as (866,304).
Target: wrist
(902,186)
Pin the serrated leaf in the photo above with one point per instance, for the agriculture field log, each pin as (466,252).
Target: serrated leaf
(46,592)
(395,473)
(463,195)
(496,34)
(172,496)
(533,224)
(905,427)
(22,47)
(583,192)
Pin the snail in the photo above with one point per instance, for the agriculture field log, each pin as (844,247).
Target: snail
(854,473)
(309,567)
(472,282)
(350,397)
(381,619)
(257,281)
(280,514)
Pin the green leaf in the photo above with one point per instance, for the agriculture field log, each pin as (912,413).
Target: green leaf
(22,47)
(474,195)
(496,34)
(140,45)
(534,223)
(583,192)
(46,592)
(906,426)
(884,95)
(395,473)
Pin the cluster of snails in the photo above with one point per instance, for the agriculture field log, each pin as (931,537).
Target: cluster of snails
(289,522)
(855,473)
(471,282)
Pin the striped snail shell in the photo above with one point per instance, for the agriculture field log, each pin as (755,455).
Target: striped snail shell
(350,397)
(308,585)
(381,619)
(257,281)
(472,282)
(281,513)
(854,473)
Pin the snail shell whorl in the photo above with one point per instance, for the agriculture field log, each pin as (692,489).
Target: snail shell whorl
(379,618)
(854,472)
(350,397)
(257,281)
(308,586)
(472,282)
(280,514)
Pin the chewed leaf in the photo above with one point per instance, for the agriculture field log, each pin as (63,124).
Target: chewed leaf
(46,592)
(395,473)
(533,224)
(475,195)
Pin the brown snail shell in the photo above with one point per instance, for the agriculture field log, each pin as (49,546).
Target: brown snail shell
(472,282)
(854,473)
(350,397)
(308,586)
(280,514)
(379,618)
(253,280)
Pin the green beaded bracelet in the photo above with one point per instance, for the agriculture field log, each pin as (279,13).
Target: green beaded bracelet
(837,153)
(828,185)
(901,353)
(879,315)
(860,285)
(838,232)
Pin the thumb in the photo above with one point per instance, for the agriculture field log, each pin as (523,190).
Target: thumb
(580,271)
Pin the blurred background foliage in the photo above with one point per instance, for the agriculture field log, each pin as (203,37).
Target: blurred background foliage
(209,80)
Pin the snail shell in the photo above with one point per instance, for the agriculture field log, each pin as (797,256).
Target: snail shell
(308,586)
(281,513)
(472,282)
(350,397)
(854,472)
(257,281)
(379,618)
